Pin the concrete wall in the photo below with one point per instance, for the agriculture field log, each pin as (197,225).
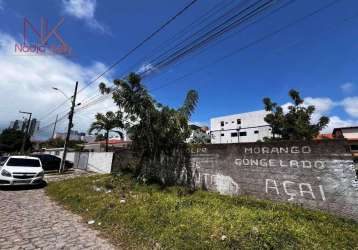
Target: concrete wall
(70,156)
(100,162)
(318,174)
(249,123)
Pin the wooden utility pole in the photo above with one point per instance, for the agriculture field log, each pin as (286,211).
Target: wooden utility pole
(70,125)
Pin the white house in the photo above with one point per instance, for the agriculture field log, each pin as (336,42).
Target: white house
(244,127)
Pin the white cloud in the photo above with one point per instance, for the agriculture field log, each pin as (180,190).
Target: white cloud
(84,10)
(322,104)
(323,107)
(336,122)
(285,106)
(350,105)
(26,84)
(146,68)
(347,87)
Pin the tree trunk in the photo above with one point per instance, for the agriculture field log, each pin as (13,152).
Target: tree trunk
(107,135)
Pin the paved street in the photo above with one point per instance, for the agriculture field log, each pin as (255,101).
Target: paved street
(29,220)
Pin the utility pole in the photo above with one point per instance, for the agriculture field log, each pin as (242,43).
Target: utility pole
(26,131)
(54,127)
(70,125)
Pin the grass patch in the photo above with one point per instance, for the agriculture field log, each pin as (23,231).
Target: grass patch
(174,219)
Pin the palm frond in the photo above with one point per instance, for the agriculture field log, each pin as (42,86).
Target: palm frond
(190,102)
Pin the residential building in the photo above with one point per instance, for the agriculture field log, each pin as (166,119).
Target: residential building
(351,134)
(244,127)
(201,132)
(75,136)
(100,146)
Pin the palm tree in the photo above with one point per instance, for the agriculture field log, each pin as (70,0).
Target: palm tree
(159,133)
(107,123)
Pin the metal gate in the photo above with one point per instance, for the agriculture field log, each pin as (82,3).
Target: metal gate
(81,160)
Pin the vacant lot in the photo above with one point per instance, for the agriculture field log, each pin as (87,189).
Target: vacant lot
(140,216)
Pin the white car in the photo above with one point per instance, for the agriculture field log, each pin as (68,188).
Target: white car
(21,170)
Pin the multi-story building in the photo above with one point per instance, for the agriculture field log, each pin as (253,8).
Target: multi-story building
(34,127)
(18,125)
(22,125)
(244,127)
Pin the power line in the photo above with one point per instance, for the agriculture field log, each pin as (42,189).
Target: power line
(141,43)
(155,32)
(215,10)
(212,12)
(213,34)
(251,44)
(275,32)
(210,35)
(242,29)
(199,35)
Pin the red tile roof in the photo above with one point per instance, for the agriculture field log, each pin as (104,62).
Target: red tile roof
(111,141)
(324,136)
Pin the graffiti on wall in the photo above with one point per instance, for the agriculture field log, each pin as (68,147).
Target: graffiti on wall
(222,183)
(319,174)
(294,190)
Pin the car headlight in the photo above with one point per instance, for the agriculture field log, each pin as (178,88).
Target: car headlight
(41,174)
(5,173)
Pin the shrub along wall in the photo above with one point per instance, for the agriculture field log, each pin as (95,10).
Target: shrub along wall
(124,160)
(317,174)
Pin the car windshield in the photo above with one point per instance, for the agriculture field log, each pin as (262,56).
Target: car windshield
(21,162)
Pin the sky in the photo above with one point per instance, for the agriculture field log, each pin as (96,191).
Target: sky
(316,54)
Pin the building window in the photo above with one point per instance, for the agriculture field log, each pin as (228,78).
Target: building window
(354,147)
(234,134)
(243,134)
(256,132)
(226,122)
(222,134)
(222,123)
(238,121)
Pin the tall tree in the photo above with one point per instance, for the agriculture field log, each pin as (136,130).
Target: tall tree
(297,123)
(108,122)
(158,132)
